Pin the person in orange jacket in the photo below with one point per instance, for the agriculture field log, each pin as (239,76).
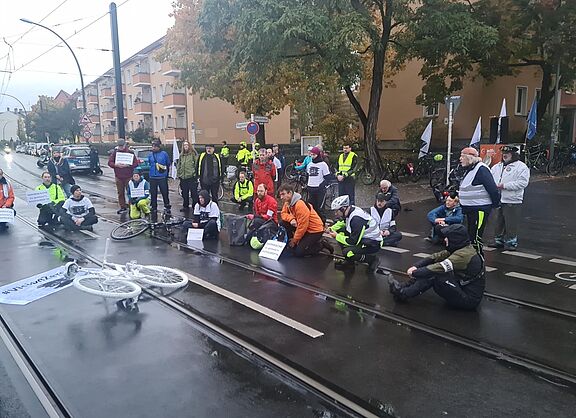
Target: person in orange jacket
(6,196)
(264,171)
(304,226)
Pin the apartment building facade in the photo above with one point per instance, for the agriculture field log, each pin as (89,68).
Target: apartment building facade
(152,102)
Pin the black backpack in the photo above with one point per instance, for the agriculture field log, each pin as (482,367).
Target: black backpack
(237,230)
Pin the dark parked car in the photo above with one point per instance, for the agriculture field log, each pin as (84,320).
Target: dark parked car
(78,157)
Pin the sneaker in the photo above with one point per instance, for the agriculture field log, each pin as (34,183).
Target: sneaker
(396,290)
(121,211)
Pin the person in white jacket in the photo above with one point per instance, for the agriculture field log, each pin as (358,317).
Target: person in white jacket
(511,176)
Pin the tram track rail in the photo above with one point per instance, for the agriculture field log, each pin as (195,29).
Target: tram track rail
(553,374)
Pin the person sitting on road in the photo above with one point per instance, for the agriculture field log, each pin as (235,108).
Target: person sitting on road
(6,197)
(447,214)
(59,169)
(265,210)
(50,212)
(304,226)
(457,274)
(384,218)
(264,171)
(138,194)
(357,233)
(206,216)
(78,211)
(243,191)
(391,195)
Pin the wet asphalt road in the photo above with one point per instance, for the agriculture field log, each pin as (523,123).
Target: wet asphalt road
(415,374)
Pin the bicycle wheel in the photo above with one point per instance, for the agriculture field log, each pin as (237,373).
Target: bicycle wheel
(109,288)
(161,276)
(437,177)
(129,229)
(555,166)
(220,192)
(331,194)
(367,176)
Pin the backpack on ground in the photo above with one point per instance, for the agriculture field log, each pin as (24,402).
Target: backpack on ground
(237,230)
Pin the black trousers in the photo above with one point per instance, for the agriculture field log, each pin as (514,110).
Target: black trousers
(212,189)
(348,186)
(309,244)
(49,214)
(189,189)
(394,238)
(316,198)
(476,223)
(69,223)
(361,253)
(162,184)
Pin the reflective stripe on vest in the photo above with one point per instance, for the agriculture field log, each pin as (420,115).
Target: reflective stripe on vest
(372,231)
(344,165)
(473,195)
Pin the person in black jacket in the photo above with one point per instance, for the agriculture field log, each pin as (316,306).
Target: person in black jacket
(59,169)
(391,195)
(456,274)
(209,169)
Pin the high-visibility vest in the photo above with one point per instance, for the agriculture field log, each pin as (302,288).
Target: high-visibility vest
(344,165)
(225,151)
(471,195)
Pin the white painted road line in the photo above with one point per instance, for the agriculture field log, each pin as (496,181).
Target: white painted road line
(565,262)
(90,233)
(396,249)
(524,255)
(573,287)
(489,269)
(488,248)
(422,255)
(311,332)
(529,277)
(410,235)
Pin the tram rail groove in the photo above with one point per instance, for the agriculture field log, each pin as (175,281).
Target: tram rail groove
(494,352)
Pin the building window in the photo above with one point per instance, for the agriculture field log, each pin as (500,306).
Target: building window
(153,94)
(161,97)
(520,108)
(132,125)
(537,95)
(155,124)
(161,123)
(130,102)
(430,111)
(128,77)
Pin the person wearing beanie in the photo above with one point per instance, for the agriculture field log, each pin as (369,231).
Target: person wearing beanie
(78,211)
(206,216)
(318,175)
(122,173)
(456,274)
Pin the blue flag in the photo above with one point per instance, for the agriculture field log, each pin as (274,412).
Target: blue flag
(532,116)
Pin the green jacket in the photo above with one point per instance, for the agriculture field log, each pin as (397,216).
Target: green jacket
(186,166)
(55,191)
(243,191)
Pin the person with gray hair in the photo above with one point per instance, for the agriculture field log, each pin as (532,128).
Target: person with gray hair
(391,196)
(478,195)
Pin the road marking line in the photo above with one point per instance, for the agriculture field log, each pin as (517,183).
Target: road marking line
(410,235)
(90,233)
(524,255)
(489,269)
(396,249)
(311,332)
(529,277)
(422,255)
(488,249)
(565,262)
(573,287)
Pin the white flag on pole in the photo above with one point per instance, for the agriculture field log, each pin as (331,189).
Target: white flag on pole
(425,138)
(175,157)
(503,114)
(477,136)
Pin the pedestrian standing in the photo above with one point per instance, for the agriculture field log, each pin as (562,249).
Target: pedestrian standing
(512,177)
(224,154)
(478,195)
(159,162)
(264,171)
(209,169)
(59,169)
(186,169)
(346,173)
(282,160)
(122,173)
(318,174)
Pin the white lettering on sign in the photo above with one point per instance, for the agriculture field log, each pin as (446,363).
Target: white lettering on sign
(124,158)
(272,249)
(37,197)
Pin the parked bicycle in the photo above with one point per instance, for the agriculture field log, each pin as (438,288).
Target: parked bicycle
(563,157)
(536,157)
(365,172)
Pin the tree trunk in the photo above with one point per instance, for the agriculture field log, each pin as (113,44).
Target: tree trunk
(546,92)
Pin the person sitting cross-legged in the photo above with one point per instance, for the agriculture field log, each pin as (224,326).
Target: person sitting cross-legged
(78,211)
(265,210)
(206,216)
(138,193)
(449,213)
(384,217)
(243,191)
(50,212)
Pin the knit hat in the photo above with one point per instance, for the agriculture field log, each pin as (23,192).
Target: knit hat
(316,150)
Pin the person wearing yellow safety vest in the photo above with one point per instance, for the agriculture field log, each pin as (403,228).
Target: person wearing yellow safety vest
(49,212)
(243,156)
(224,154)
(243,191)
(209,171)
(346,174)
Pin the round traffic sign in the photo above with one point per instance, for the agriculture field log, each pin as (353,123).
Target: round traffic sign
(87,134)
(252,128)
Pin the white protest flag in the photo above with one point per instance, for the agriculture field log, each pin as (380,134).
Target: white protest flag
(175,157)
(425,138)
(477,135)
(503,114)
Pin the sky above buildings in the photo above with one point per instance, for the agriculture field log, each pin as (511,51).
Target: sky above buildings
(30,65)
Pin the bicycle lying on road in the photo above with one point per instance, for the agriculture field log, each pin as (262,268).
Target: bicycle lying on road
(135,227)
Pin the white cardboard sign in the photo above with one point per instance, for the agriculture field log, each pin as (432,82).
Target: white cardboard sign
(36,197)
(137,193)
(6,215)
(195,234)
(124,158)
(272,249)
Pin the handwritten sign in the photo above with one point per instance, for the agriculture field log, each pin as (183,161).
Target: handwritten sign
(125,158)
(38,197)
(272,249)
(195,234)
(137,193)
(6,215)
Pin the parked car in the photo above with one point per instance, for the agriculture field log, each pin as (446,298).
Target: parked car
(142,154)
(78,157)
(21,149)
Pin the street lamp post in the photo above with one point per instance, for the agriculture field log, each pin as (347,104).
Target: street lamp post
(73,54)
(17,99)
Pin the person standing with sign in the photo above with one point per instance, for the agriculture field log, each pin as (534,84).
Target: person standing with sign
(49,212)
(6,197)
(159,162)
(346,174)
(123,161)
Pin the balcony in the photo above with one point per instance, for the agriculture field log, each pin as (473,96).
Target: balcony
(175,133)
(175,101)
(106,93)
(141,79)
(169,71)
(107,113)
(123,89)
(143,108)
(109,134)
(92,99)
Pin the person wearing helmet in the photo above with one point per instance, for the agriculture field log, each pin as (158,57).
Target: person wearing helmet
(478,194)
(384,218)
(512,177)
(256,151)
(243,156)
(456,274)
(138,194)
(206,216)
(447,214)
(224,154)
(357,233)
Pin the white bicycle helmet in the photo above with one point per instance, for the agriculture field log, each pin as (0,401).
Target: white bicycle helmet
(340,202)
